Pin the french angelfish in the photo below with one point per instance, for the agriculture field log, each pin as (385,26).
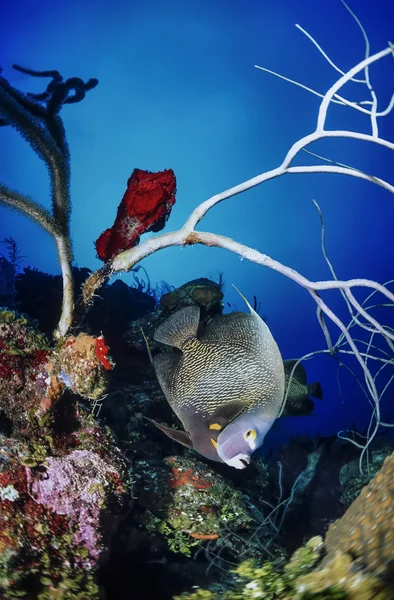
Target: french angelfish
(226,386)
(298,402)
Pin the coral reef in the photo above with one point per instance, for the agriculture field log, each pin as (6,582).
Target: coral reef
(352,481)
(82,363)
(145,206)
(24,378)
(63,482)
(357,563)
(189,502)
(64,486)
(34,375)
(75,486)
(265,582)
(366,531)
(341,579)
(61,495)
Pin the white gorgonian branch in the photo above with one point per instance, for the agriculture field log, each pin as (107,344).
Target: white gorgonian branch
(187,235)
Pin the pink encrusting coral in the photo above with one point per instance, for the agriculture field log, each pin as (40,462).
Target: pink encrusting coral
(74,486)
(145,206)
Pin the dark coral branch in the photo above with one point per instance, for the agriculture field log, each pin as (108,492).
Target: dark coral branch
(57,92)
(28,207)
(43,127)
(21,113)
(36,117)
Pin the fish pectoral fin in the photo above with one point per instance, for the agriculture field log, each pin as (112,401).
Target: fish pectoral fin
(226,413)
(178,327)
(175,434)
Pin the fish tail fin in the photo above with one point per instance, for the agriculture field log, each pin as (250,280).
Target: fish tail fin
(315,390)
(179,327)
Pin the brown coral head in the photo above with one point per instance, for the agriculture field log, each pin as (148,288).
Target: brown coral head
(83,365)
(366,530)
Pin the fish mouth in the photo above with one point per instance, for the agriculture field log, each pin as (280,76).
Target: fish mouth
(241,461)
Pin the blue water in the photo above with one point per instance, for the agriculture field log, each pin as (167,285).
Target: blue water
(178,89)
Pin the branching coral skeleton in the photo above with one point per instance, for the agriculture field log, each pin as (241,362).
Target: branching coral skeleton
(188,235)
(57,223)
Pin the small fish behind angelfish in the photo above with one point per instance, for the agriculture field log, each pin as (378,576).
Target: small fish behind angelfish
(226,386)
(298,402)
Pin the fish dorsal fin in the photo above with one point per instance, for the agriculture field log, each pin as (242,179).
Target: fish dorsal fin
(226,413)
(299,372)
(252,311)
(179,327)
(233,328)
(236,328)
(165,364)
(315,390)
(175,434)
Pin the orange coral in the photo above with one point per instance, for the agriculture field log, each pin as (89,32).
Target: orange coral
(181,477)
(205,536)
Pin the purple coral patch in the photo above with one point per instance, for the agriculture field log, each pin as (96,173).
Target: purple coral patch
(74,486)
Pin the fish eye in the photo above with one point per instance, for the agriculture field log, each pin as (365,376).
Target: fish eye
(250,437)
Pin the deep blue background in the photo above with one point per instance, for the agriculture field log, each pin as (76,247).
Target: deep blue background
(178,89)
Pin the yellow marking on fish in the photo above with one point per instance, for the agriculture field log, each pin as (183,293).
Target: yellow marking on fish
(215,426)
(215,444)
